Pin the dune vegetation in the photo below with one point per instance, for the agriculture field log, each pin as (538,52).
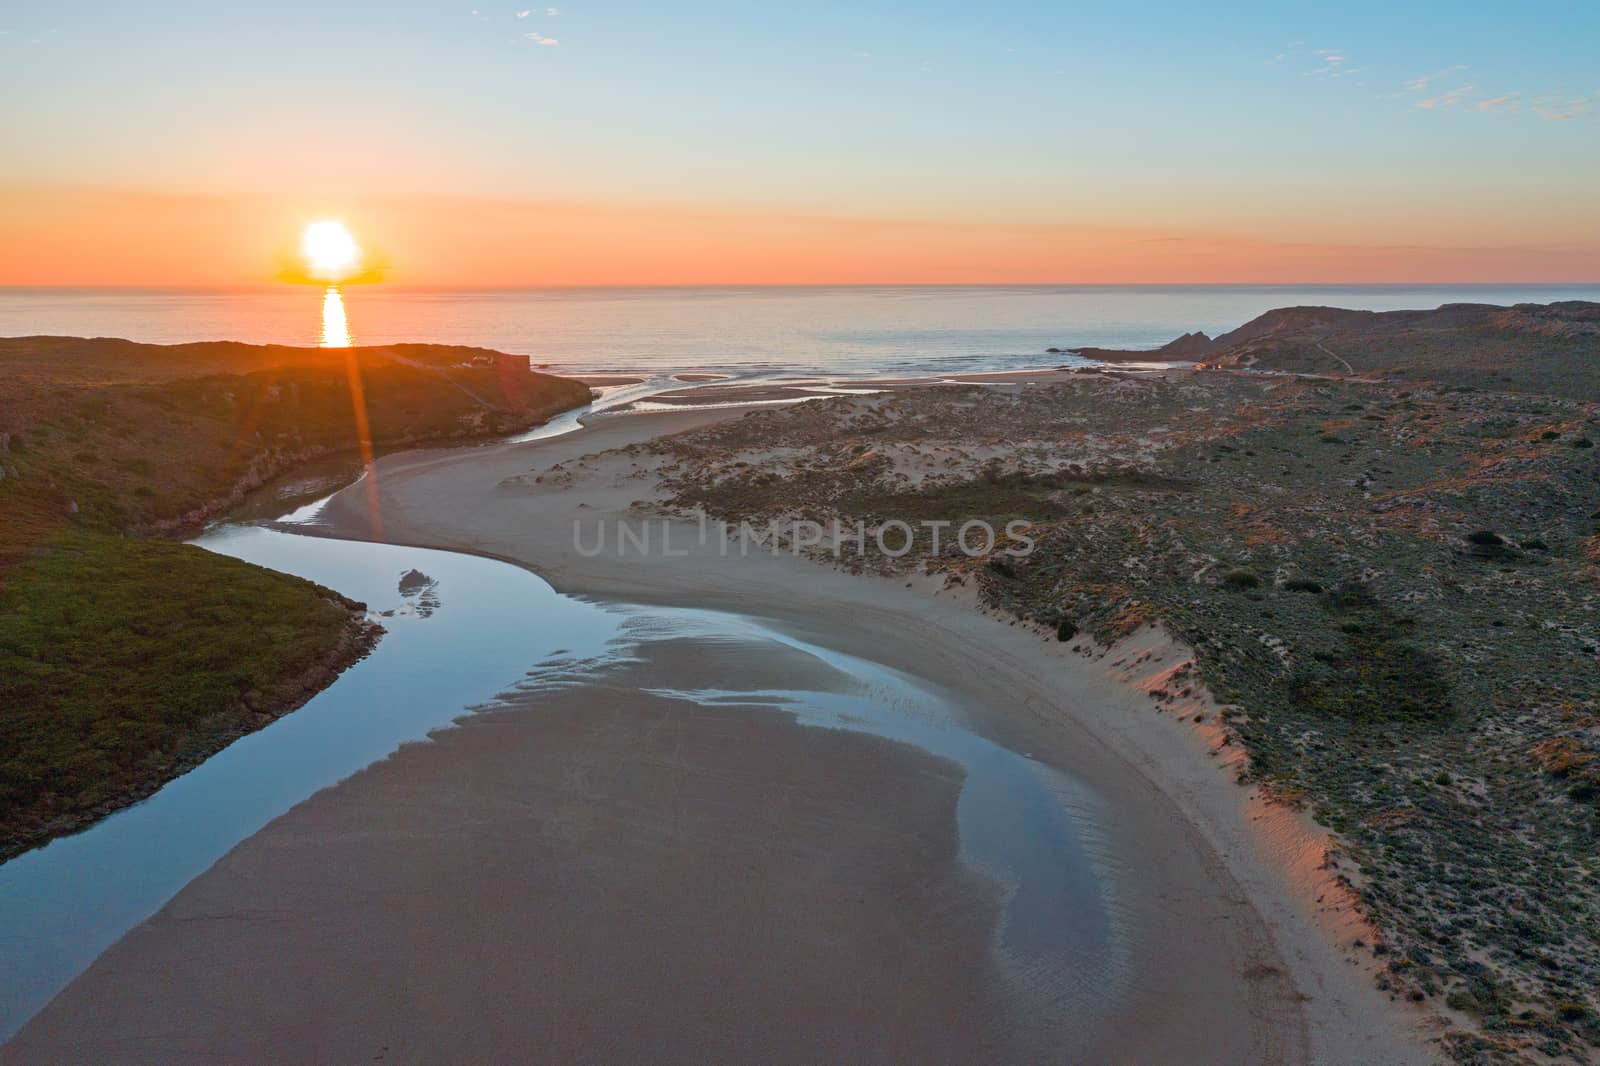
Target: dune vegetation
(1390,589)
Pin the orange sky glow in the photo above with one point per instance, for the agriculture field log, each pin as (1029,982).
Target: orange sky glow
(107,237)
(627,143)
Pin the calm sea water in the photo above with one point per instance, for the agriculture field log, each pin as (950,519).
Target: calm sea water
(742,331)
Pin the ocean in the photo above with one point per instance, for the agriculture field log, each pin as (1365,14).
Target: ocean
(743,332)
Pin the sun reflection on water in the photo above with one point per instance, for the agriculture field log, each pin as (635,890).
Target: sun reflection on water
(335,327)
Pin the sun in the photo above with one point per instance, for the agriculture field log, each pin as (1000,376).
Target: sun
(330,252)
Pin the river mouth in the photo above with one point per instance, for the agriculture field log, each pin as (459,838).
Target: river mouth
(467,633)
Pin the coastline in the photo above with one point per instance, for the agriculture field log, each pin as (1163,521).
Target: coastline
(278,469)
(131,659)
(1089,715)
(1231,937)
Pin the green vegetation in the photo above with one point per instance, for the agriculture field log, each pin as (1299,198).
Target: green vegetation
(1242,579)
(134,438)
(1379,675)
(124,661)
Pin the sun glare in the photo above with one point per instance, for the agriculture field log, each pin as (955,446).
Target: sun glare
(335,327)
(330,252)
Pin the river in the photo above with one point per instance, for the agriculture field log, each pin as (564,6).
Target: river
(460,630)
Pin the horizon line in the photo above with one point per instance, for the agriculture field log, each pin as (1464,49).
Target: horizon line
(668,286)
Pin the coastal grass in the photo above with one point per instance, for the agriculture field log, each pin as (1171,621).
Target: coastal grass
(123,660)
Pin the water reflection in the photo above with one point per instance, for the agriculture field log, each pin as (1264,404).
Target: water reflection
(460,629)
(335,327)
(63,904)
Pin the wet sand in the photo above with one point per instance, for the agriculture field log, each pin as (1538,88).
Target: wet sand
(1238,936)
(771,391)
(609,875)
(607,380)
(427,869)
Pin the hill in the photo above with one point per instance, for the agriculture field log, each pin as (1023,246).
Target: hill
(1551,349)
(124,659)
(1548,349)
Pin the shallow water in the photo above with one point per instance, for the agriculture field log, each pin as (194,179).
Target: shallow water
(1032,828)
(61,905)
(461,630)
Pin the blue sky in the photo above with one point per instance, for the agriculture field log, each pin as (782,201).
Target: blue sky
(1432,121)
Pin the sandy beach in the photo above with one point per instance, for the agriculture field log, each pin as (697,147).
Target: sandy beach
(607,874)
(755,534)
(555,872)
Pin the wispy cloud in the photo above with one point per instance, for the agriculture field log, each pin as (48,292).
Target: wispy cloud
(1558,107)
(1330,61)
(524,14)
(539,38)
(1453,98)
(1446,89)
(1503,102)
(552,11)
(1420,85)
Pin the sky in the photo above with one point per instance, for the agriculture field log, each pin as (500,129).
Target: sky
(612,142)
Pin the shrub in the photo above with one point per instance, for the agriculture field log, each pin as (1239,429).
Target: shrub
(1486,539)
(1302,584)
(118,654)
(1583,442)
(1066,630)
(1242,579)
(1378,675)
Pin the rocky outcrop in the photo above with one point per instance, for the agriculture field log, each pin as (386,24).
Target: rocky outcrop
(1187,348)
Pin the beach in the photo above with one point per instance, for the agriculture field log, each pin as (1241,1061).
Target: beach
(748,533)
(1234,935)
